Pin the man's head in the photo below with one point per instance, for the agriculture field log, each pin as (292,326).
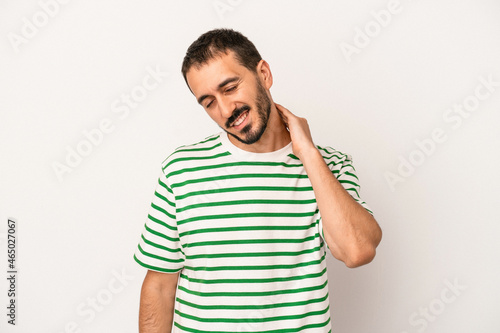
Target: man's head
(229,79)
(217,42)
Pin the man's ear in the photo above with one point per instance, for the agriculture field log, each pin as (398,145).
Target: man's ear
(264,73)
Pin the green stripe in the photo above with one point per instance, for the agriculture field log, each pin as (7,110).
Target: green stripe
(165,186)
(333,152)
(185,148)
(354,190)
(251,241)
(224,165)
(252,307)
(154,256)
(253,320)
(154,219)
(252,254)
(282,330)
(263,280)
(347,166)
(247,202)
(335,172)
(249,228)
(180,149)
(245,188)
(343,181)
(158,246)
(155,268)
(196,158)
(239,176)
(337,158)
(351,174)
(262,267)
(244,215)
(253,293)
(160,209)
(159,234)
(164,199)
(207,139)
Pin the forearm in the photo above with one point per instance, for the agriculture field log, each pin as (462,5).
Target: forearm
(351,232)
(157,305)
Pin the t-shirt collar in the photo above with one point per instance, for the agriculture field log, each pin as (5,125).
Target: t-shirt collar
(240,154)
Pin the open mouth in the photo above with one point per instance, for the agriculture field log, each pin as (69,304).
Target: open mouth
(240,119)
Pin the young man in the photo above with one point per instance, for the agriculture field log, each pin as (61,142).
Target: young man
(240,222)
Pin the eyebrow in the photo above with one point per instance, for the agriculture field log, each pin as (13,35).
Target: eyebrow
(221,85)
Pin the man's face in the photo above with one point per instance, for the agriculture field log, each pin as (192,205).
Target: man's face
(233,97)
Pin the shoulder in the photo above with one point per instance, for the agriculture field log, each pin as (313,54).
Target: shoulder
(194,151)
(334,156)
(339,163)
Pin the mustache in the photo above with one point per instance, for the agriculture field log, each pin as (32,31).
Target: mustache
(236,113)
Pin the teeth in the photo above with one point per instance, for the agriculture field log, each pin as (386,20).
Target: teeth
(240,119)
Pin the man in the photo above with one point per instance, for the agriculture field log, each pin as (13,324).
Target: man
(240,222)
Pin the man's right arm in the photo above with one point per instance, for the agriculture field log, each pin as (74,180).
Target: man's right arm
(156,310)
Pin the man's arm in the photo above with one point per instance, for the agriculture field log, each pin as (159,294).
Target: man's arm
(352,234)
(156,310)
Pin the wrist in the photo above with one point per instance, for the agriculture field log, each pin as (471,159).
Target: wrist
(308,154)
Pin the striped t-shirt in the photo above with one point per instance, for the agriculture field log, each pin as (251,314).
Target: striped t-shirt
(244,230)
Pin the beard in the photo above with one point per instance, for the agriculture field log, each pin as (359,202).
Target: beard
(263,105)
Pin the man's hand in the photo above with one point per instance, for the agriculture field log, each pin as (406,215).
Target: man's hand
(300,134)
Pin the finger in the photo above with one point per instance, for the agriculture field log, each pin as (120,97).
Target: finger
(287,112)
(281,114)
(282,109)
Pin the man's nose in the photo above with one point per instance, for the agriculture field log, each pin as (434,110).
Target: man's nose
(226,107)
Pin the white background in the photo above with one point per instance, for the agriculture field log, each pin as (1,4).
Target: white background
(78,231)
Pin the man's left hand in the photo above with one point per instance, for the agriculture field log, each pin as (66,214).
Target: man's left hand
(300,134)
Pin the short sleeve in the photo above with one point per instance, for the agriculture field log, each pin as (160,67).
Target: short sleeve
(350,181)
(342,168)
(159,248)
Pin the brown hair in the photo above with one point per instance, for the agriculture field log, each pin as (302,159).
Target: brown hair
(217,42)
